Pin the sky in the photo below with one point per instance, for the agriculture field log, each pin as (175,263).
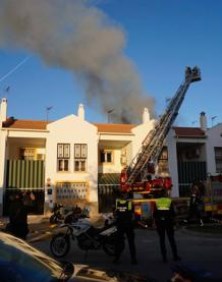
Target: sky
(118,55)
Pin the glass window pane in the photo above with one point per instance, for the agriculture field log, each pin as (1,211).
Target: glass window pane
(77,165)
(83,150)
(66,150)
(66,165)
(77,150)
(60,151)
(109,157)
(60,165)
(83,166)
(102,156)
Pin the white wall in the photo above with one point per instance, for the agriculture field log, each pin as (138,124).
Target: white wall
(140,132)
(113,167)
(73,129)
(214,139)
(172,162)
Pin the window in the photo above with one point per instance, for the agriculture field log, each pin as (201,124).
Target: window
(106,156)
(27,154)
(63,155)
(218,159)
(63,151)
(163,161)
(80,157)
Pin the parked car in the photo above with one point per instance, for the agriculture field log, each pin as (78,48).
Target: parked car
(21,262)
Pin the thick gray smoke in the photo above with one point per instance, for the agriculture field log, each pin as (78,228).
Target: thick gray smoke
(74,35)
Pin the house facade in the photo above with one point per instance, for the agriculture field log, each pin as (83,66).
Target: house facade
(72,161)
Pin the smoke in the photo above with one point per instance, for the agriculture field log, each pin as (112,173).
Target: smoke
(77,36)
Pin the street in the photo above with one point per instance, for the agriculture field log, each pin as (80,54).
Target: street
(204,251)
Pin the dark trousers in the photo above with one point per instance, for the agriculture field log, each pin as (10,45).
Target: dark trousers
(194,212)
(163,229)
(129,232)
(19,230)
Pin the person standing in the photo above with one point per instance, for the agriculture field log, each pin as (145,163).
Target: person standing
(164,217)
(29,201)
(196,204)
(125,226)
(18,222)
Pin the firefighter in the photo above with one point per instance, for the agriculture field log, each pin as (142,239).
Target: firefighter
(125,226)
(164,216)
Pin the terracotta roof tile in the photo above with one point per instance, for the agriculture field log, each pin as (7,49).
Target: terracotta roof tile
(102,127)
(25,124)
(114,128)
(189,132)
(38,124)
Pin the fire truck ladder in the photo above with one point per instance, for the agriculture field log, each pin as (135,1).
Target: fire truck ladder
(153,143)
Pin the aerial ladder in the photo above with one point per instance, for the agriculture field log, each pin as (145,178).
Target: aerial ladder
(138,176)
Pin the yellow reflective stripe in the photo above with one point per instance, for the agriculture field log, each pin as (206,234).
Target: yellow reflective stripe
(118,201)
(163,203)
(129,205)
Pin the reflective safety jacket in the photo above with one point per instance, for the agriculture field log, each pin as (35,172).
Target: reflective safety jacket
(163,204)
(124,211)
(163,210)
(123,205)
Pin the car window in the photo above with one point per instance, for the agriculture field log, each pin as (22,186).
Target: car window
(21,261)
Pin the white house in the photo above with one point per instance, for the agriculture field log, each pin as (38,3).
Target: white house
(66,159)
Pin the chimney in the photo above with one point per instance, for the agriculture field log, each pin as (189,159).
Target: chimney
(3,110)
(203,121)
(81,112)
(146,115)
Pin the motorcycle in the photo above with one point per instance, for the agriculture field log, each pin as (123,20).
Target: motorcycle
(57,214)
(87,236)
(75,214)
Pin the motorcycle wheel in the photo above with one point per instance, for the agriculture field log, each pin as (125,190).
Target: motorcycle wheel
(60,245)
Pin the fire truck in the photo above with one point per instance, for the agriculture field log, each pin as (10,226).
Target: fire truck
(213,196)
(140,176)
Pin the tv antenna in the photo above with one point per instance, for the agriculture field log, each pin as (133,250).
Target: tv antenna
(48,109)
